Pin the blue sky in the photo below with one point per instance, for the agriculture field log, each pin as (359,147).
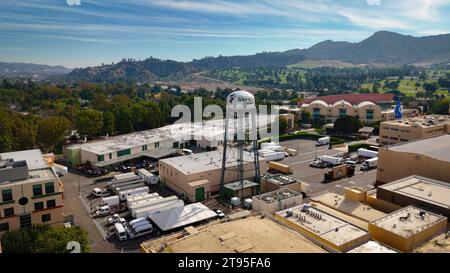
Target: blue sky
(78,33)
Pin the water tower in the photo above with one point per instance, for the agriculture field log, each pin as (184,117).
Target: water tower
(240,127)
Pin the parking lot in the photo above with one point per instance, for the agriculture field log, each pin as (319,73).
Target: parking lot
(307,152)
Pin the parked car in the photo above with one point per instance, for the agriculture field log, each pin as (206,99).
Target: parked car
(116,219)
(219,213)
(97,192)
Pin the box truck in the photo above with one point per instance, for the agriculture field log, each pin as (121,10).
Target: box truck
(323,141)
(367,153)
(331,160)
(369,164)
(124,194)
(339,172)
(111,201)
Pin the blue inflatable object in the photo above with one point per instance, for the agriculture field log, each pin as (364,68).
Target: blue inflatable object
(398,110)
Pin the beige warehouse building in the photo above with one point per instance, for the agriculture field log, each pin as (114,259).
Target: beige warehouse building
(408,129)
(30,191)
(427,157)
(198,175)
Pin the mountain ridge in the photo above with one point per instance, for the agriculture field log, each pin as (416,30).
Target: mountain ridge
(383,48)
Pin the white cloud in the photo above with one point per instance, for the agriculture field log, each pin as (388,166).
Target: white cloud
(73,2)
(374,2)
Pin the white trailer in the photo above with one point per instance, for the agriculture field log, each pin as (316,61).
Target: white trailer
(149,178)
(369,164)
(367,153)
(128,187)
(111,201)
(149,211)
(323,141)
(111,184)
(138,197)
(271,155)
(143,203)
(124,194)
(155,202)
(331,160)
(124,177)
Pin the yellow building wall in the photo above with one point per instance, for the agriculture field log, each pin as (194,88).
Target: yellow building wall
(394,165)
(381,205)
(406,244)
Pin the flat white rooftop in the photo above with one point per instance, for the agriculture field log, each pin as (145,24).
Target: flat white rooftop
(203,162)
(174,218)
(35,159)
(422,188)
(175,132)
(408,221)
(435,147)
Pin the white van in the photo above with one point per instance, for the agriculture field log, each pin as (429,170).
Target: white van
(97,192)
(120,232)
(141,229)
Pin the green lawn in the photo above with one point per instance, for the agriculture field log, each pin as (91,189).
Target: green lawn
(407,87)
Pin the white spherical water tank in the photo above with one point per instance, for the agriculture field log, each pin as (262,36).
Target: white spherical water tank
(241,99)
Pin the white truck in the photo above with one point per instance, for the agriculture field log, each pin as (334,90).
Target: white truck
(367,153)
(149,178)
(369,164)
(323,141)
(271,155)
(331,160)
(124,194)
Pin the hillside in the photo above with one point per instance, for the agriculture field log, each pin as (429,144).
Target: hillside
(381,49)
(29,70)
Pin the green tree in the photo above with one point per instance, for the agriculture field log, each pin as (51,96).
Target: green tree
(51,132)
(55,240)
(24,134)
(347,125)
(6,139)
(89,122)
(441,107)
(124,122)
(22,240)
(108,123)
(283,125)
